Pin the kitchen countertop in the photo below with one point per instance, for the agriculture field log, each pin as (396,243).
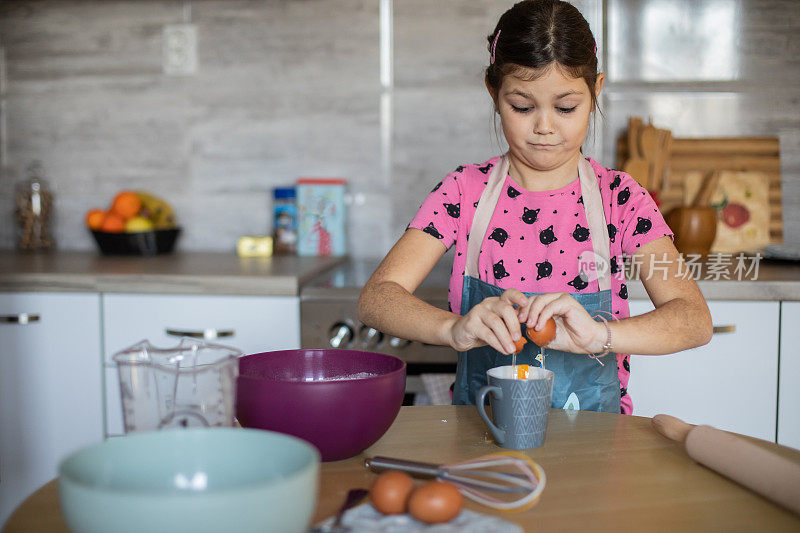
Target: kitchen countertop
(310,277)
(774,280)
(346,280)
(179,273)
(605,472)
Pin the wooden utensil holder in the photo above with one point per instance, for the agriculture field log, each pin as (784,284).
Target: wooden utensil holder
(737,154)
(694,229)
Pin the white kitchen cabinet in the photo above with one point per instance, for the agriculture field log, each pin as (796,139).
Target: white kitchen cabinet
(789,385)
(113,406)
(730,383)
(255,323)
(51,400)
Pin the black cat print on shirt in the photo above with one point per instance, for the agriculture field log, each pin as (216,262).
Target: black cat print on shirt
(454,210)
(529,216)
(500,235)
(499,270)
(430,229)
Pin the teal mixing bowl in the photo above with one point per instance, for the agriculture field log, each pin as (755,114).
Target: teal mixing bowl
(194,480)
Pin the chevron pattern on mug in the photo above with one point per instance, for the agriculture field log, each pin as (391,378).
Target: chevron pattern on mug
(519,406)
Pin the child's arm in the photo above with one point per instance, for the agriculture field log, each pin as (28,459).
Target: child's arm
(387,303)
(681,319)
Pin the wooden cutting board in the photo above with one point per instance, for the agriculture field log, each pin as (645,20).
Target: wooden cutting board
(742,203)
(750,176)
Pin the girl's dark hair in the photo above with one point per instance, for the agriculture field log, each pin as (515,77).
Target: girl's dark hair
(535,34)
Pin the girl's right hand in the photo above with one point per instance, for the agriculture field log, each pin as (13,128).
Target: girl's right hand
(493,321)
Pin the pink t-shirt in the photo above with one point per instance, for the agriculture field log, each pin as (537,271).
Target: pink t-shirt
(535,237)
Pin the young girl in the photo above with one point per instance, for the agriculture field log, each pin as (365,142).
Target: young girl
(540,232)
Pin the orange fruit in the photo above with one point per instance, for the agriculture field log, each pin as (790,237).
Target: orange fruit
(94,218)
(126,204)
(113,223)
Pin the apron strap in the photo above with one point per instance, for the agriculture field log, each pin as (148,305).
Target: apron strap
(483,214)
(596,218)
(592,204)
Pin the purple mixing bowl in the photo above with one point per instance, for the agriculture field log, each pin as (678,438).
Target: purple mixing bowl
(341,401)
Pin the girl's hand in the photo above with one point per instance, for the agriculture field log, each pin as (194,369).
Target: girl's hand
(493,321)
(576,331)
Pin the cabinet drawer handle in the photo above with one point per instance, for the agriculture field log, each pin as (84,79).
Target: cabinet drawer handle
(207,334)
(21,319)
(730,328)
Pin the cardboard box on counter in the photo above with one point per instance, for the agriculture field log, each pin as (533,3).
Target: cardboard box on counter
(321,216)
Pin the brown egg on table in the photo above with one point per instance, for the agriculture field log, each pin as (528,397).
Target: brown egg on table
(544,337)
(435,502)
(390,492)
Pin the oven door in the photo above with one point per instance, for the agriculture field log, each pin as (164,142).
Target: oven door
(332,322)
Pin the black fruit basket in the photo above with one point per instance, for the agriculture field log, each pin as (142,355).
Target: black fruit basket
(160,241)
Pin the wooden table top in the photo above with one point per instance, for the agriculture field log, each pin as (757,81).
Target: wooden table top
(605,472)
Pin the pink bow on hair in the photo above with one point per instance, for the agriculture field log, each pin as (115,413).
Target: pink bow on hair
(494,47)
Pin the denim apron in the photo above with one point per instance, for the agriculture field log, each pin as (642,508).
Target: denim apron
(580,382)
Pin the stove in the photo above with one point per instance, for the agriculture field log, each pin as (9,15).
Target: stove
(329,319)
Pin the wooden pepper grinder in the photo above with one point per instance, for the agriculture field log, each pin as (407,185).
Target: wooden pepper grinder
(34,205)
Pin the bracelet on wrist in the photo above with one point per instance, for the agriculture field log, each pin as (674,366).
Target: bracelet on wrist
(607,346)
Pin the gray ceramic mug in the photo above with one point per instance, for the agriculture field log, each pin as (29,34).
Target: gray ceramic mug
(519,406)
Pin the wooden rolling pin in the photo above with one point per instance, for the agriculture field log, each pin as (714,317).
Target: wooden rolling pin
(773,476)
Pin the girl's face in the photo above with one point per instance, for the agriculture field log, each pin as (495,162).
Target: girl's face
(545,120)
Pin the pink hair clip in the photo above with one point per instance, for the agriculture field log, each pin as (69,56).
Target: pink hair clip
(595,48)
(494,47)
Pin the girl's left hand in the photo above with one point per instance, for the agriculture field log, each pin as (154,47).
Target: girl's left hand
(576,331)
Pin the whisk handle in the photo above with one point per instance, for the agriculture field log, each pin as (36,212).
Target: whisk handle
(414,467)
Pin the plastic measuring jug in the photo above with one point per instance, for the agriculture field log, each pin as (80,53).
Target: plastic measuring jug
(190,385)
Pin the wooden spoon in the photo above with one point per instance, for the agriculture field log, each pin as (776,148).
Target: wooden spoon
(637,167)
(662,180)
(706,190)
(658,161)
(770,472)
(634,127)
(648,142)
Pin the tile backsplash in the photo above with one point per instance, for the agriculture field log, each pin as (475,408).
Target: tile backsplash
(293,88)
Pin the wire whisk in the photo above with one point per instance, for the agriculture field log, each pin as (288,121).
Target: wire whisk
(520,483)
